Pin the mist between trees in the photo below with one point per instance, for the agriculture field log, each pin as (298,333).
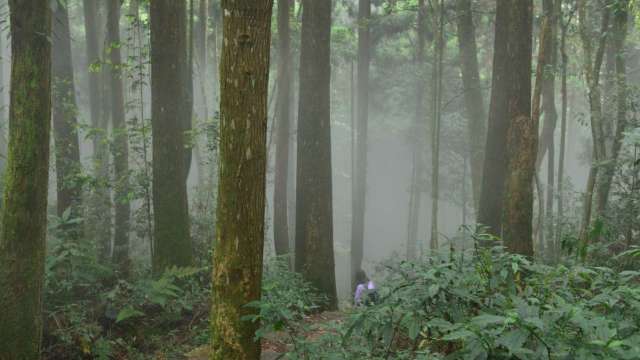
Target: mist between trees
(225,179)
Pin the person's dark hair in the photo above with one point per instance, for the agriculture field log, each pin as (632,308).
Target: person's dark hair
(361,277)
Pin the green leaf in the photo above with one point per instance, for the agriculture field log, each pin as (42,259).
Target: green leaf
(485,320)
(128,312)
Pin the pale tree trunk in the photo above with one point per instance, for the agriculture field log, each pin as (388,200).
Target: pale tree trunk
(592,67)
(24,219)
(65,125)
(237,263)
(621,15)
(314,206)
(280,198)
(362,119)
(435,124)
(120,148)
(474,103)
(522,135)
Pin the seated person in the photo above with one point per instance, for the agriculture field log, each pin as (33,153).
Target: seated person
(366,292)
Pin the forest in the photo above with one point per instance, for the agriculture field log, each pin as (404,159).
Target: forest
(319,179)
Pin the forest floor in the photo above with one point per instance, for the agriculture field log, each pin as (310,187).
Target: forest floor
(274,345)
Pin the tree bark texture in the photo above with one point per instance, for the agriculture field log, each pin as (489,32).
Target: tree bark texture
(314,210)
(244,75)
(24,219)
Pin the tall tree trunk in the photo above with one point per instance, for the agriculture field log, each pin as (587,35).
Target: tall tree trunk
(280,220)
(495,161)
(65,124)
(24,219)
(186,115)
(592,67)
(473,98)
(435,125)
(120,148)
(621,15)
(244,74)
(314,209)
(563,126)
(362,119)
(415,191)
(522,136)
(168,94)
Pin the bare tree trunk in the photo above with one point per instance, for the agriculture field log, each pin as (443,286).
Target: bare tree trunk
(173,245)
(522,136)
(415,191)
(239,243)
(314,209)
(474,103)
(280,220)
(120,148)
(24,219)
(435,125)
(563,128)
(65,125)
(362,119)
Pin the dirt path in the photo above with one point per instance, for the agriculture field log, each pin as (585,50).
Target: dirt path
(276,344)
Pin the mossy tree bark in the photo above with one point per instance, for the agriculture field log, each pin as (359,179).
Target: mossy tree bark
(358,198)
(280,202)
(237,263)
(522,138)
(474,103)
(24,221)
(314,208)
(120,148)
(168,66)
(65,124)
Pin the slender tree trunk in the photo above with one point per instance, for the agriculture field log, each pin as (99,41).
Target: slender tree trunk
(473,98)
(621,15)
(120,148)
(592,67)
(563,129)
(65,124)
(24,219)
(360,176)
(415,191)
(435,125)
(495,161)
(187,106)
(522,136)
(168,94)
(280,215)
(244,74)
(314,209)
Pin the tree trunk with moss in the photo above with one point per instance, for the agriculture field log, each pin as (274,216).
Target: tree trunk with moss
(280,213)
(314,207)
(522,135)
(168,66)
(120,148)
(473,99)
(237,263)
(65,124)
(24,219)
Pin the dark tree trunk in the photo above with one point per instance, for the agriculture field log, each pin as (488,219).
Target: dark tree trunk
(24,219)
(120,148)
(362,119)
(168,94)
(280,222)
(495,161)
(314,209)
(415,191)
(522,136)
(187,105)
(65,124)
(473,98)
(244,72)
